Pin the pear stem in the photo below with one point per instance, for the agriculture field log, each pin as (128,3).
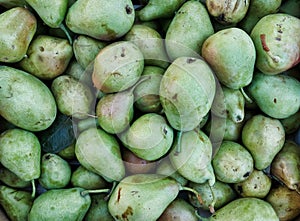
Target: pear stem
(114,184)
(211,206)
(85,192)
(194,192)
(178,149)
(33,189)
(63,27)
(246,96)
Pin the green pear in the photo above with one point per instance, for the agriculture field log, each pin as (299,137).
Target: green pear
(264,137)
(73,98)
(227,12)
(232,163)
(68,153)
(17,27)
(60,204)
(258,9)
(117,67)
(20,152)
(258,185)
(99,152)
(146,93)
(179,210)
(245,209)
(86,49)
(142,197)
(291,7)
(55,171)
(52,13)
(93,18)
(186,92)
(12,3)
(157,9)
(47,57)
(11,179)
(191,155)
(291,123)
(276,39)
(149,137)
(285,202)
(276,95)
(234,71)
(216,196)
(183,37)
(286,165)
(98,209)
(86,179)
(151,44)
(16,203)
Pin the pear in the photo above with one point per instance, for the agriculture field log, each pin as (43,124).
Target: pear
(117,67)
(151,44)
(20,152)
(275,95)
(232,163)
(264,137)
(291,123)
(245,209)
(291,8)
(234,71)
(143,197)
(98,209)
(60,204)
(86,179)
(157,9)
(17,27)
(68,153)
(99,152)
(52,13)
(47,57)
(191,155)
(286,165)
(285,202)
(258,185)
(11,179)
(12,3)
(149,137)
(16,203)
(55,172)
(179,210)
(93,18)
(186,92)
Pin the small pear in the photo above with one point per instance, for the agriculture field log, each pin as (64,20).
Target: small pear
(264,137)
(55,172)
(60,204)
(11,179)
(68,153)
(16,203)
(20,152)
(291,123)
(99,152)
(17,27)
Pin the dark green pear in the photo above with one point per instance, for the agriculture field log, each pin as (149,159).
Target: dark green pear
(47,57)
(17,27)
(186,92)
(93,18)
(68,153)
(285,202)
(52,13)
(157,9)
(12,3)
(16,203)
(286,165)
(276,95)
(264,137)
(60,204)
(86,179)
(291,123)
(232,163)
(98,209)
(191,156)
(234,71)
(258,185)
(99,152)
(149,137)
(20,152)
(11,179)
(179,210)
(291,7)
(55,171)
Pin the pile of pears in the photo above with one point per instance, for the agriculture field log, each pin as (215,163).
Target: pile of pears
(150,110)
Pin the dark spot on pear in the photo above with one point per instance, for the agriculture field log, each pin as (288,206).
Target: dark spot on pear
(128,9)
(240,189)
(175,96)
(246,174)
(41,48)
(190,60)
(119,194)
(47,157)
(275,100)
(128,212)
